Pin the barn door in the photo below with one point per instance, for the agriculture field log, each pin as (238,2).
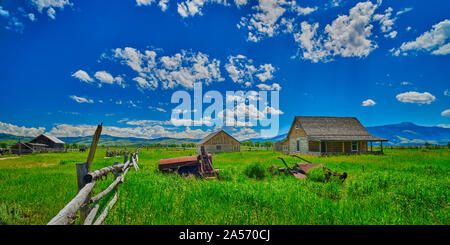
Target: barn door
(323,146)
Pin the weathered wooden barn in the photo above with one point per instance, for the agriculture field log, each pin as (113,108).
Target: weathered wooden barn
(219,141)
(51,141)
(329,135)
(39,144)
(26,148)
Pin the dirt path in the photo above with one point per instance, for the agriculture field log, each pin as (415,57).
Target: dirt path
(8,158)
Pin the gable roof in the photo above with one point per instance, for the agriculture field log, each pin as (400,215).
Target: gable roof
(212,135)
(53,138)
(334,128)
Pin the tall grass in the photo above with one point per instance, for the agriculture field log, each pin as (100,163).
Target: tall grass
(400,187)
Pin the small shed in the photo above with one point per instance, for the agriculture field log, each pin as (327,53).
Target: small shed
(51,141)
(26,148)
(219,141)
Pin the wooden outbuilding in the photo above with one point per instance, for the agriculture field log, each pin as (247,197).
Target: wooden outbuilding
(26,148)
(329,135)
(51,141)
(219,141)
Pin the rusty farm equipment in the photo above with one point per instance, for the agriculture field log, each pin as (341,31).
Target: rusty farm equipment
(199,166)
(299,170)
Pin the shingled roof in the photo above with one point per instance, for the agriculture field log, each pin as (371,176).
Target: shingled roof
(335,128)
(54,139)
(211,135)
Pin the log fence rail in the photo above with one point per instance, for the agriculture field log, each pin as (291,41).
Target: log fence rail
(86,183)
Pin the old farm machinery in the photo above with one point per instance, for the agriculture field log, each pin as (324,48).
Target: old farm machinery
(199,166)
(299,170)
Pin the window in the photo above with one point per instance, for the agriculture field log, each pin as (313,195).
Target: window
(218,147)
(297,126)
(298,145)
(285,147)
(354,146)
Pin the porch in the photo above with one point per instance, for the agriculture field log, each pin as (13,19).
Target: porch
(347,145)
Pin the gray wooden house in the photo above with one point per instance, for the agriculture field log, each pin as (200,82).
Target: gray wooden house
(329,135)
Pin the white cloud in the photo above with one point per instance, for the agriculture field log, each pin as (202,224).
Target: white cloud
(4,12)
(405,10)
(156,109)
(443,125)
(385,20)
(31,17)
(81,99)
(181,69)
(83,76)
(51,13)
(391,34)
(191,8)
(143,84)
(347,35)
(446,113)
(416,97)
(266,21)
(368,102)
(447,92)
(274,86)
(7,128)
(434,41)
(245,133)
(267,71)
(50,5)
(241,70)
(105,77)
(144,2)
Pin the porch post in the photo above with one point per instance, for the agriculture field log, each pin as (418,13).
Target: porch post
(381,147)
(371,149)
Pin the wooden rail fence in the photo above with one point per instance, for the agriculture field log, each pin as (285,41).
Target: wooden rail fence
(86,183)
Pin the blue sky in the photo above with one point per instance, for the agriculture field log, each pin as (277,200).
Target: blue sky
(68,65)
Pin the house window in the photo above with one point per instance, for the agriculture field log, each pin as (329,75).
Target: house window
(354,146)
(285,148)
(218,147)
(298,145)
(297,126)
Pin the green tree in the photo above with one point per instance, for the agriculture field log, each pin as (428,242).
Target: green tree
(3,145)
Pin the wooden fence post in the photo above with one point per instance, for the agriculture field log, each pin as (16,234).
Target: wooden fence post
(81,172)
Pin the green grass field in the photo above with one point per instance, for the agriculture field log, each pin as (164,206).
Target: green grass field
(400,187)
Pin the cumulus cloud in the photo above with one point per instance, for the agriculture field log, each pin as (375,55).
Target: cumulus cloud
(50,5)
(274,86)
(146,132)
(7,128)
(181,69)
(242,70)
(266,22)
(416,97)
(81,99)
(245,133)
(434,41)
(446,113)
(82,76)
(105,77)
(386,20)
(368,102)
(347,35)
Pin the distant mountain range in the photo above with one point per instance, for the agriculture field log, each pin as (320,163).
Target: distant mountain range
(405,133)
